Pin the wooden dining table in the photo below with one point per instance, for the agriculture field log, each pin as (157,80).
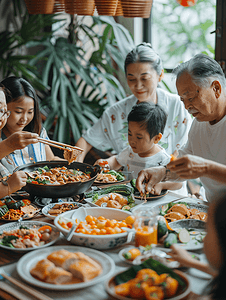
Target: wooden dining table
(9,259)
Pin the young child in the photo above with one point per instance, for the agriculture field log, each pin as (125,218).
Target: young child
(146,123)
(24,117)
(18,179)
(215,251)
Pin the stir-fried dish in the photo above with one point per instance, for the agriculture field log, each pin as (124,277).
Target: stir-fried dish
(57,176)
(25,237)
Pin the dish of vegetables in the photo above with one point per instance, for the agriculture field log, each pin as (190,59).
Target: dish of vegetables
(27,235)
(188,233)
(120,197)
(13,210)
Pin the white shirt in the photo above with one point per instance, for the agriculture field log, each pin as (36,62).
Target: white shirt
(134,163)
(209,142)
(111,130)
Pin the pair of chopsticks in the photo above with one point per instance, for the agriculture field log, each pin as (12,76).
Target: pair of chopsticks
(58,144)
(26,288)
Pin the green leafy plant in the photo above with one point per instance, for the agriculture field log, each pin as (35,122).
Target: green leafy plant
(185,30)
(81,84)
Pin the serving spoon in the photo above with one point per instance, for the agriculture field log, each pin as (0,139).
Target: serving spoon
(81,212)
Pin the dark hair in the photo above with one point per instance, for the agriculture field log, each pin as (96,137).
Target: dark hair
(217,287)
(144,53)
(19,87)
(202,69)
(150,116)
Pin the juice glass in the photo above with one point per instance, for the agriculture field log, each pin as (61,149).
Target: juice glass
(145,226)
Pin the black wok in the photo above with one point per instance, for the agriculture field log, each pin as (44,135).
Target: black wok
(57,191)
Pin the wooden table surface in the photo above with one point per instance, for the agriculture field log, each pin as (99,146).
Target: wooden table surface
(9,258)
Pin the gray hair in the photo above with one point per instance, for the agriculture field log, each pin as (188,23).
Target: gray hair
(203,71)
(144,53)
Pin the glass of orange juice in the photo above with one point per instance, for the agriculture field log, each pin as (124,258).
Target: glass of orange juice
(145,227)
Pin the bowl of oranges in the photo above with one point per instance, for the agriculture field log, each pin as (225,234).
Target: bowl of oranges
(99,228)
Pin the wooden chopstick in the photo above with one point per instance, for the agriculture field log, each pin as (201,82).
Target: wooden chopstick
(26,288)
(58,144)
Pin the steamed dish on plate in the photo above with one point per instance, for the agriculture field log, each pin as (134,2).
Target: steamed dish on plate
(65,267)
(114,200)
(25,237)
(173,212)
(56,176)
(148,285)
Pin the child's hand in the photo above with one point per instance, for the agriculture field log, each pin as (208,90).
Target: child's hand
(103,163)
(16,181)
(157,189)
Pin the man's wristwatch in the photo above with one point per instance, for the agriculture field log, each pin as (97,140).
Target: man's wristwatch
(167,174)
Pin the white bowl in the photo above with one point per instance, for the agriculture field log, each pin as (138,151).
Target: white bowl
(96,241)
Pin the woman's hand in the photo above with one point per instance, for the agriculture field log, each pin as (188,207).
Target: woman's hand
(189,166)
(148,178)
(20,140)
(181,255)
(16,181)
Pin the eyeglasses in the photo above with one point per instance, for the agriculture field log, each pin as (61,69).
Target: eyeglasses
(4,113)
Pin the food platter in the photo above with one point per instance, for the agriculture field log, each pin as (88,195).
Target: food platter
(31,210)
(133,205)
(28,261)
(30,224)
(45,209)
(124,174)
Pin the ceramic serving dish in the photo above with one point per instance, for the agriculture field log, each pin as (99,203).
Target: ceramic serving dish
(106,241)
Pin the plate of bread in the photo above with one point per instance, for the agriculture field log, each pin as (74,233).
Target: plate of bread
(65,267)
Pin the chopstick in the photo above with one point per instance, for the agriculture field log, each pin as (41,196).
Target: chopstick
(58,144)
(26,288)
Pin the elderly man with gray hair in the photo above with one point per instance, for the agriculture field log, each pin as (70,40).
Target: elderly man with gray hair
(201,86)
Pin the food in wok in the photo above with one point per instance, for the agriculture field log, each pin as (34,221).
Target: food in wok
(56,176)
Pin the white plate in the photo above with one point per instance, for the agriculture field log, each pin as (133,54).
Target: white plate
(46,208)
(30,224)
(28,261)
(137,202)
